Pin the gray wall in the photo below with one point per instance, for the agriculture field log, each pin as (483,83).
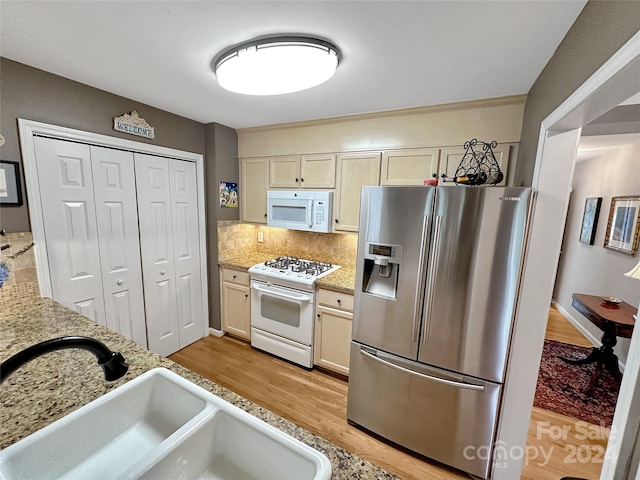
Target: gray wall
(33,94)
(593,269)
(599,31)
(221,144)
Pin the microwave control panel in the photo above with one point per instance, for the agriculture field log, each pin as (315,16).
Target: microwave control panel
(320,213)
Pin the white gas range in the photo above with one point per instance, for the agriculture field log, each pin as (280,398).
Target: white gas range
(282,302)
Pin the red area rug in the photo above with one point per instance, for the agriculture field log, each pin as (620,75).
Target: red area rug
(560,386)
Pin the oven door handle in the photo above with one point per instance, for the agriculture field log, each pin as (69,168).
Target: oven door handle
(283,295)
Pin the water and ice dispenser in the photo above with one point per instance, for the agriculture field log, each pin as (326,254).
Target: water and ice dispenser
(381,266)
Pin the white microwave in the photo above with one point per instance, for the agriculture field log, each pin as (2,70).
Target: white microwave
(300,210)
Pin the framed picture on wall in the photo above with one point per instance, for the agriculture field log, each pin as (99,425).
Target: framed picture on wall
(590,220)
(10,193)
(623,227)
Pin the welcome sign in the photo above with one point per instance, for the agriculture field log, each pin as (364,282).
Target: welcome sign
(135,125)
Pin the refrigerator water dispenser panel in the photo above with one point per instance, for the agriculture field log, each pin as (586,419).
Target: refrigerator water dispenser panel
(381,267)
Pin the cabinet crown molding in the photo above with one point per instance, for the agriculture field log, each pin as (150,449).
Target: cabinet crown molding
(443,107)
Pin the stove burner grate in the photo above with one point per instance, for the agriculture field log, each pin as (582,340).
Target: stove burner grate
(298,265)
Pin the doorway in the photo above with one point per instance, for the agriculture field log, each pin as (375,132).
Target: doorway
(614,82)
(570,427)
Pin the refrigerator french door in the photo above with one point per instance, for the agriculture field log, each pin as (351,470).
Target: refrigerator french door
(436,283)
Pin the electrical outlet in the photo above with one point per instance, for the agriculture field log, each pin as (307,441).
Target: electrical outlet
(260,237)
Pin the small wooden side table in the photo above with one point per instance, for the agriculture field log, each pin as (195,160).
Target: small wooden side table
(614,321)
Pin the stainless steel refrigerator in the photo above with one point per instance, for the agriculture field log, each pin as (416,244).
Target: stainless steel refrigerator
(437,276)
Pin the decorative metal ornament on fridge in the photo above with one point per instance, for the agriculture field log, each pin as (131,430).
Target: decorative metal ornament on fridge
(437,276)
(479,165)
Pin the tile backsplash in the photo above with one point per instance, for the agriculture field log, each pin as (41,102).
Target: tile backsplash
(22,280)
(235,238)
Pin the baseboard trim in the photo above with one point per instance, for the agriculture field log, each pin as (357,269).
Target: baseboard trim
(216,333)
(573,321)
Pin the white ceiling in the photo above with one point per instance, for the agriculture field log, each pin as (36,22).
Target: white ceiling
(396,54)
(594,146)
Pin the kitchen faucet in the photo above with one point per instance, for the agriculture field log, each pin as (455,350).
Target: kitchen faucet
(112,363)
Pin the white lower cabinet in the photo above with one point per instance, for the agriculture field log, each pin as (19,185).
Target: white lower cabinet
(122,240)
(332,339)
(236,303)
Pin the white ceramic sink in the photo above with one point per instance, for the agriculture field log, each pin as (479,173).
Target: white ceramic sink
(158,426)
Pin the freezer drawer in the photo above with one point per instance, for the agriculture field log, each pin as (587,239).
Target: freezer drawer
(438,414)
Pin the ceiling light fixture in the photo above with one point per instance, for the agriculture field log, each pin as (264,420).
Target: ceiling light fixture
(276,65)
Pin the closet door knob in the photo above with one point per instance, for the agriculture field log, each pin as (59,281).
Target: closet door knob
(120,282)
(162,272)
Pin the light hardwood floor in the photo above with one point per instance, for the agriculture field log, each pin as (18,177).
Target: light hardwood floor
(317,401)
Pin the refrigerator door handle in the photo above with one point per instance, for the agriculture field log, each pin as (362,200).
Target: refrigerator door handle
(417,308)
(433,260)
(467,386)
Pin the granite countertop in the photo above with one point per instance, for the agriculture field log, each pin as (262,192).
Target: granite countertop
(53,385)
(342,280)
(247,260)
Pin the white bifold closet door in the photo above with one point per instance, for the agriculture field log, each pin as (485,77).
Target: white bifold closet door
(91,229)
(167,206)
(116,211)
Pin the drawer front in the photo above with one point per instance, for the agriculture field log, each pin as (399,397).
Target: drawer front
(335,299)
(235,276)
(452,419)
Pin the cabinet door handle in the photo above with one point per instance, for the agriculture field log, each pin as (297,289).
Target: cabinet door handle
(337,221)
(265,215)
(234,277)
(296,179)
(318,315)
(246,295)
(302,179)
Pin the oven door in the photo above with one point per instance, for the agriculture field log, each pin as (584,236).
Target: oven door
(282,311)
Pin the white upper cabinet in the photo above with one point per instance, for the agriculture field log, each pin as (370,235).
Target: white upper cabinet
(303,171)
(409,166)
(318,171)
(355,170)
(347,173)
(284,172)
(254,183)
